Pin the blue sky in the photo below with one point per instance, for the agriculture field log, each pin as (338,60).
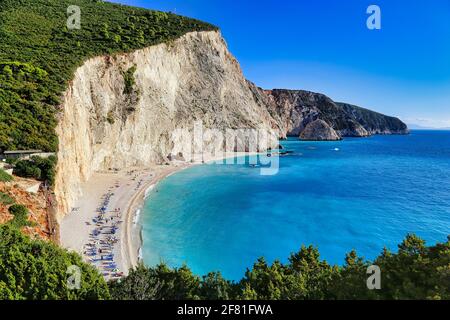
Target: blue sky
(324,46)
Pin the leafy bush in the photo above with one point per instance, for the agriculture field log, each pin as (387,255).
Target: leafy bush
(160,283)
(5,199)
(18,210)
(415,272)
(110,118)
(37,270)
(20,214)
(4,177)
(128,77)
(43,169)
(27,169)
(39,54)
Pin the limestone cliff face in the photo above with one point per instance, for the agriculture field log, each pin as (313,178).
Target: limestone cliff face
(122,111)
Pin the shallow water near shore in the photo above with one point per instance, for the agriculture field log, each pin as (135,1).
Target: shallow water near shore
(362,194)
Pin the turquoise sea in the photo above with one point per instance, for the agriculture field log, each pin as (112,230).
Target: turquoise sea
(362,194)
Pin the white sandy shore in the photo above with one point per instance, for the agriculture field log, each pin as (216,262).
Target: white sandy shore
(129,193)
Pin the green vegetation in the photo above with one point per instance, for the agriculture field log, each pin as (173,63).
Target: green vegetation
(37,270)
(26,112)
(110,118)
(43,169)
(415,272)
(20,214)
(4,177)
(39,54)
(5,199)
(31,269)
(128,77)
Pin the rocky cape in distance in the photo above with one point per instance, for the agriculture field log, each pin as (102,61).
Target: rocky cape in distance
(315,117)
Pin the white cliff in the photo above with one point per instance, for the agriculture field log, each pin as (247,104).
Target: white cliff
(105,123)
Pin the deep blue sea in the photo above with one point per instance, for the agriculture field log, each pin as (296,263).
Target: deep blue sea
(367,195)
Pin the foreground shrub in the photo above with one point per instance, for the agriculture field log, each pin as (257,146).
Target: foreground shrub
(37,270)
(20,214)
(415,272)
(4,177)
(5,199)
(38,168)
(160,283)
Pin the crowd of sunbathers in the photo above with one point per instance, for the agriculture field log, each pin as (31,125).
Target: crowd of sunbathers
(102,240)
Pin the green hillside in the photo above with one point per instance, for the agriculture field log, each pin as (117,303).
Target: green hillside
(39,54)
